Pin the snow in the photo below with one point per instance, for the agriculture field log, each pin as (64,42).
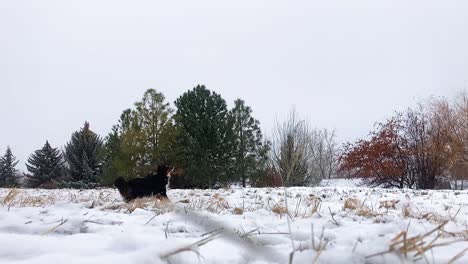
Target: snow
(241,225)
(341,182)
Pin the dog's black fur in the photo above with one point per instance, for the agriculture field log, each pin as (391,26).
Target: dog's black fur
(153,184)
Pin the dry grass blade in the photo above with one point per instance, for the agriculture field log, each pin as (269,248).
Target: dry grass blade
(192,247)
(317,247)
(320,247)
(55,227)
(151,219)
(317,256)
(250,246)
(213,231)
(317,203)
(458,256)
(246,234)
(334,220)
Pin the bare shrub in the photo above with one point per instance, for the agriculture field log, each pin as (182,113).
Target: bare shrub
(302,155)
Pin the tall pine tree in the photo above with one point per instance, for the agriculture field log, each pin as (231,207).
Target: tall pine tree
(45,166)
(202,114)
(83,155)
(8,172)
(249,152)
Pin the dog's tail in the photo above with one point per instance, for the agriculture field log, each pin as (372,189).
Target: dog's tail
(123,187)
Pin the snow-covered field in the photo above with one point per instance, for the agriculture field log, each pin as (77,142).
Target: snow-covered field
(327,225)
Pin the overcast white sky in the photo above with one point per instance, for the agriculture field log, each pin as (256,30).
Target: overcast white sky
(343,64)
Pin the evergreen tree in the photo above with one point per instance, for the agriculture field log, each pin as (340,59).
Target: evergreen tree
(8,172)
(208,137)
(45,166)
(249,151)
(121,151)
(111,153)
(83,154)
(263,172)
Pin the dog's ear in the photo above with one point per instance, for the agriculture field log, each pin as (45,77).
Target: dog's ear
(161,170)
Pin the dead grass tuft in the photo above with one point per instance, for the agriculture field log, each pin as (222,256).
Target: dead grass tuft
(407,211)
(19,198)
(238,211)
(429,216)
(278,209)
(365,211)
(388,204)
(155,202)
(360,209)
(352,204)
(433,217)
(314,203)
(37,201)
(10,196)
(217,203)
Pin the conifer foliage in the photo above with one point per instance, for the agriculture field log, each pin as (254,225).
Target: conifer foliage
(209,139)
(83,154)
(45,166)
(249,151)
(8,171)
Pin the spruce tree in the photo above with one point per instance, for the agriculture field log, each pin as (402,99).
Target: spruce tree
(249,152)
(111,153)
(45,166)
(8,172)
(208,137)
(83,155)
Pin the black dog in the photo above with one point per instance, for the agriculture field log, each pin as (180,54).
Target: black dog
(154,184)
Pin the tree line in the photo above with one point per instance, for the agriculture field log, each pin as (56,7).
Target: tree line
(208,144)
(213,146)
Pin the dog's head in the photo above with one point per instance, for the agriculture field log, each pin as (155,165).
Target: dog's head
(120,183)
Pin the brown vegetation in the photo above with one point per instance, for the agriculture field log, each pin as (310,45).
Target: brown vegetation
(424,147)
